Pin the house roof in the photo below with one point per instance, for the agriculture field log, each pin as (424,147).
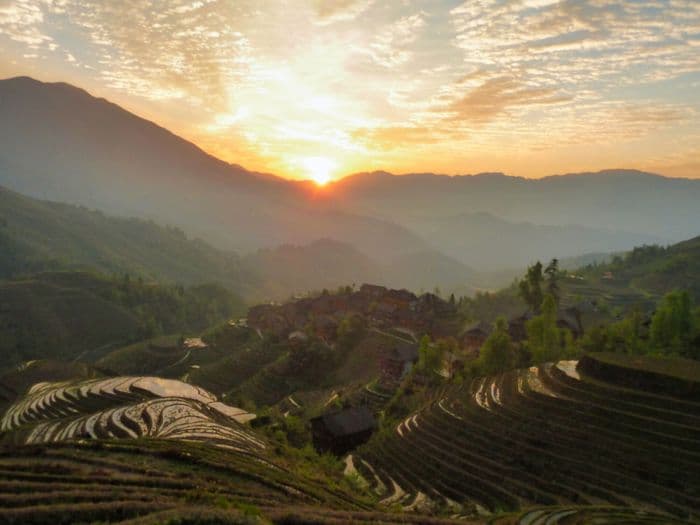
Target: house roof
(478,326)
(349,421)
(405,352)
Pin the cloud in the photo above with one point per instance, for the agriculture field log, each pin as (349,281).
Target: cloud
(393,137)
(496,96)
(391,47)
(330,11)
(21,21)
(569,42)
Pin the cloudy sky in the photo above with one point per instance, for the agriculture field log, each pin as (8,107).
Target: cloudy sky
(307,87)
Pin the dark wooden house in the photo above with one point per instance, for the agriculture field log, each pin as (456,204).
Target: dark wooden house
(398,361)
(340,432)
(475,336)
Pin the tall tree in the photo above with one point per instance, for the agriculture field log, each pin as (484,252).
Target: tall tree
(552,275)
(530,287)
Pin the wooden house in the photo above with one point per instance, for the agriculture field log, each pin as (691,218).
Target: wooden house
(339,432)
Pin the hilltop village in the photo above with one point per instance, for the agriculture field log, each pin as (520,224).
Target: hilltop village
(399,329)
(405,314)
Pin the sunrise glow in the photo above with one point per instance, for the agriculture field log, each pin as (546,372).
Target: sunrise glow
(319,169)
(529,88)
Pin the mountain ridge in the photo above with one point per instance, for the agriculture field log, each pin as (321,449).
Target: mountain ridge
(99,155)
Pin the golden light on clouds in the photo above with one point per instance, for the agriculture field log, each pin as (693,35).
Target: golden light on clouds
(528,87)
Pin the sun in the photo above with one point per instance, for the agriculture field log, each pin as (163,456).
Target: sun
(319,169)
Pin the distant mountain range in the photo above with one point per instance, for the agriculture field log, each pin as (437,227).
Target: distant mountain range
(38,236)
(623,200)
(59,143)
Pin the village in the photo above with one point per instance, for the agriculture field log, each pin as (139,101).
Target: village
(405,318)
(401,312)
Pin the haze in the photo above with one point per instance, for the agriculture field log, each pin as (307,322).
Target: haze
(318,90)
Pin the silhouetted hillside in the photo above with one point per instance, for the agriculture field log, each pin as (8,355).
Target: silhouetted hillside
(58,142)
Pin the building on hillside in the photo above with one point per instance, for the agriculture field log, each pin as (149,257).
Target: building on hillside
(474,336)
(517,327)
(372,290)
(398,361)
(326,327)
(268,318)
(340,432)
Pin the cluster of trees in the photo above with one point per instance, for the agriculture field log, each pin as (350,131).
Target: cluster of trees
(538,281)
(673,329)
(164,309)
(69,314)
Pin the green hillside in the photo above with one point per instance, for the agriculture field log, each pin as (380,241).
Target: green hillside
(39,235)
(80,315)
(655,269)
(646,272)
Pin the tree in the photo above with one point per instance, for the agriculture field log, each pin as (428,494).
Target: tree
(552,274)
(545,340)
(530,288)
(498,352)
(429,356)
(672,327)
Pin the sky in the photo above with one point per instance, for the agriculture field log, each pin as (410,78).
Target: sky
(320,89)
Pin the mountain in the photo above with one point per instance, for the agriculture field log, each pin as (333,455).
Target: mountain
(38,235)
(326,263)
(482,240)
(58,142)
(625,200)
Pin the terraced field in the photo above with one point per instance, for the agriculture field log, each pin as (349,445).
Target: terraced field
(586,516)
(548,436)
(125,407)
(148,482)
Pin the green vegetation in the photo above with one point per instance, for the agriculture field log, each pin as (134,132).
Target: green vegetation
(45,236)
(545,340)
(656,269)
(70,315)
(673,329)
(498,352)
